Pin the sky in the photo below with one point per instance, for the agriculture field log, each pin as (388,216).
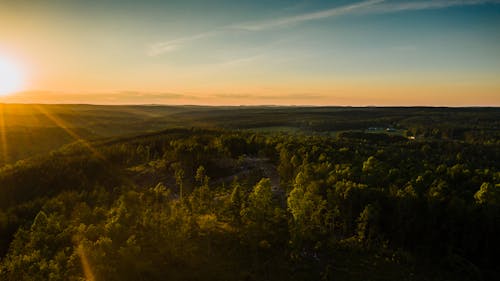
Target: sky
(229,52)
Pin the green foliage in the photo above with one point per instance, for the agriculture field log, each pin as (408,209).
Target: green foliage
(488,193)
(260,213)
(368,225)
(215,204)
(308,209)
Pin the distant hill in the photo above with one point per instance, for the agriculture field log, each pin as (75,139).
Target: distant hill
(30,129)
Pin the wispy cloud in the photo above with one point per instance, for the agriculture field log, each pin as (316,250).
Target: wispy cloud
(363,7)
(241,60)
(296,19)
(293,96)
(171,45)
(124,97)
(392,7)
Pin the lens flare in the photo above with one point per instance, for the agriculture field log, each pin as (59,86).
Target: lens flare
(11,77)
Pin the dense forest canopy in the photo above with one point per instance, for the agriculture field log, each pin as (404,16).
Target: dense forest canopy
(37,129)
(249,193)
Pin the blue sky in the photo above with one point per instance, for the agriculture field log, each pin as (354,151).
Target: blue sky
(442,52)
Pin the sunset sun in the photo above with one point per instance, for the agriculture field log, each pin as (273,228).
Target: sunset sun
(11,77)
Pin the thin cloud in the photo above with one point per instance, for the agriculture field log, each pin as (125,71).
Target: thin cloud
(364,7)
(238,61)
(126,97)
(360,8)
(300,96)
(139,94)
(286,21)
(425,5)
(172,45)
(168,46)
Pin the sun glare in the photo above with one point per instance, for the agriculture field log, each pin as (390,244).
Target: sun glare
(11,78)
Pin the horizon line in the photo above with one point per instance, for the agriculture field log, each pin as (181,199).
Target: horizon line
(260,105)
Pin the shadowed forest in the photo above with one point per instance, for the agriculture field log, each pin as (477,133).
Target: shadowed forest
(249,193)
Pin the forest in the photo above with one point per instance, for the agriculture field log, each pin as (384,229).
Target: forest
(249,193)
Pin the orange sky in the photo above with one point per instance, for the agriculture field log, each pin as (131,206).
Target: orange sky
(358,53)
